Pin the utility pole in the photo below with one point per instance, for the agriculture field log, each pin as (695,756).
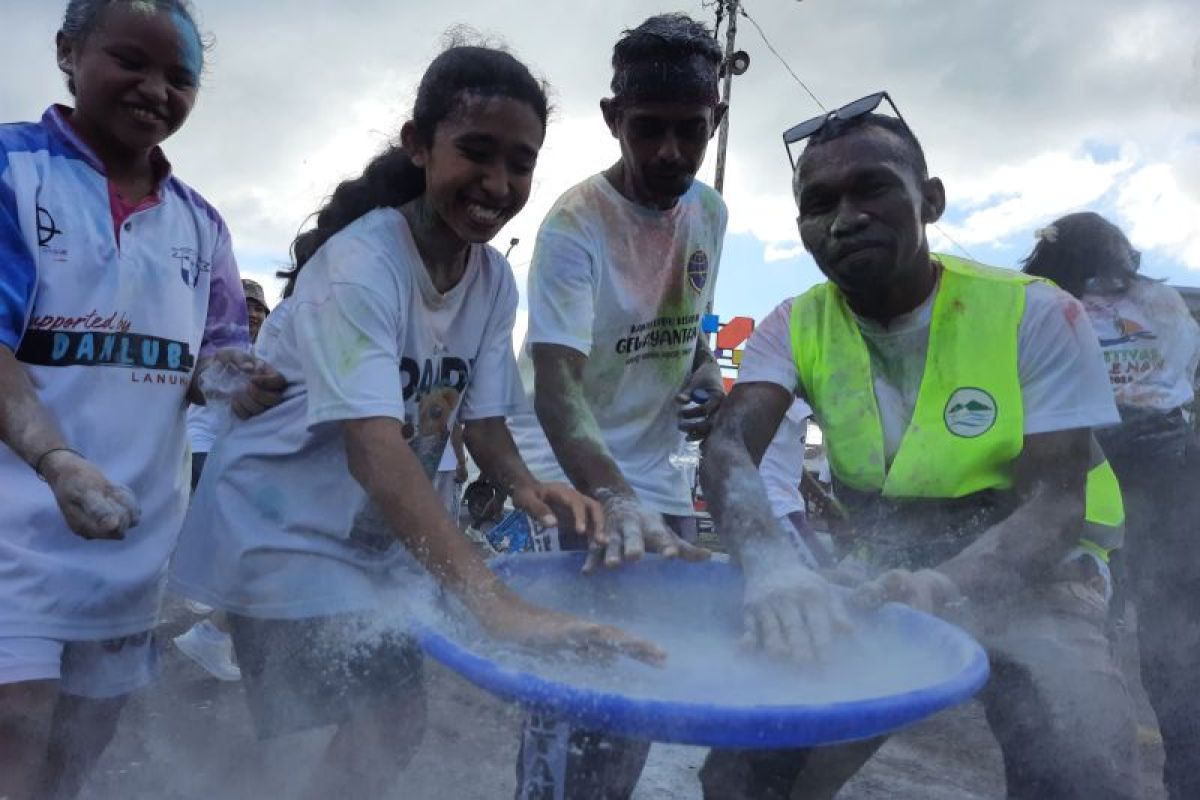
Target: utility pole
(731,11)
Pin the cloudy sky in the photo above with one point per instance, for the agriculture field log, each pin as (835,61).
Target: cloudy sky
(1027,108)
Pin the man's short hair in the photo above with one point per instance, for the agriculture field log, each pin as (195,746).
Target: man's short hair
(667,57)
(913,153)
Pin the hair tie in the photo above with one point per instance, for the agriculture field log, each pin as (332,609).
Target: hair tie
(1046,234)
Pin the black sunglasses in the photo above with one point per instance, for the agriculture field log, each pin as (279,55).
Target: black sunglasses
(810,127)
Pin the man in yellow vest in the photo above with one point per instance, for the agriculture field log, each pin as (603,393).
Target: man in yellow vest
(957,403)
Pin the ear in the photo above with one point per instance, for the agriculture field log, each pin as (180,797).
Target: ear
(612,116)
(65,53)
(719,112)
(410,140)
(933,200)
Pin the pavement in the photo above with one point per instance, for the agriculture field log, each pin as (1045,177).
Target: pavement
(189,738)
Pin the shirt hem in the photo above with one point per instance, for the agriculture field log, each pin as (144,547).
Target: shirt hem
(1089,418)
(327,414)
(581,345)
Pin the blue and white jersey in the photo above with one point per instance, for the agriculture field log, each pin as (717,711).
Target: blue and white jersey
(109,312)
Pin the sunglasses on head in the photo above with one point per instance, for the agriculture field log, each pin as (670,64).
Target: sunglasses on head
(857,108)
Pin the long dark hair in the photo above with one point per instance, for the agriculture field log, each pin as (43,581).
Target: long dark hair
(392,179)
(1079,247)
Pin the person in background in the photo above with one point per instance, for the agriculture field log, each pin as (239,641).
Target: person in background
(782,470)
(207,643)
(1151,346)
(957,403)
(118,290)
(614,360)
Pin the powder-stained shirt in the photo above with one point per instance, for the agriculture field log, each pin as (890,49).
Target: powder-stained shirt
(109,323)
(1063,383)
(1151,344)
(279,528)
(627,286)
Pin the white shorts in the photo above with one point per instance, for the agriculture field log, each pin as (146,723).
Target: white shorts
(97,670)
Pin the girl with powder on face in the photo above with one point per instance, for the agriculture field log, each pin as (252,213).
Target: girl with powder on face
(397,323)
(117,288)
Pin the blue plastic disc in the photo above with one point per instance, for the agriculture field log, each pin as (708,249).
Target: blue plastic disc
(958,666)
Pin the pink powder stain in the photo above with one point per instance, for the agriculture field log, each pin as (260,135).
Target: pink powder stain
(1072,310)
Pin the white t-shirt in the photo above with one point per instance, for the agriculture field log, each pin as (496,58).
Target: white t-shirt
(109,323)
(203,425)
(1063,380)
(627,286)
(782,464)
(278,527)
(1151,344)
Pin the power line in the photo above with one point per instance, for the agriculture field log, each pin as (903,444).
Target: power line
(782,60)
(821,105)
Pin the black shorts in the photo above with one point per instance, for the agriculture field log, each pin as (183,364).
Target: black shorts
(308,673)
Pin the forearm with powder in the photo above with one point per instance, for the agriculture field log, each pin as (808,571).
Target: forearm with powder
(570,426)
(26,425)
(1030,542)
(385,466)
(492,446)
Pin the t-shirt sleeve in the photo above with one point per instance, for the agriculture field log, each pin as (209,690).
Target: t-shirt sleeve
(495,389)
(562,290)
(348,339)
(768,357)
(227,325)
(18,270)
(1064,383)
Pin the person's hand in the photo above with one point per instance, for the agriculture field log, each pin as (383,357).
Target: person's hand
(789,611)
(539,500)
(630,531)
(516,621)
(93,507)
(699,400)
(250,384)
(925,590)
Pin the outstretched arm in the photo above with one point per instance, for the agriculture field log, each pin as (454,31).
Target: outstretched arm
(574,435)
(389,471)
(789,610)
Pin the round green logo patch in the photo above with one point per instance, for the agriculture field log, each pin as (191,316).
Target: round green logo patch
(970,413)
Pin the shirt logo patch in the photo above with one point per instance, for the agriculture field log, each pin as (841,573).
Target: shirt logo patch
(1126,331)
(191,266)
(970,413)
(697,270)
(46,229)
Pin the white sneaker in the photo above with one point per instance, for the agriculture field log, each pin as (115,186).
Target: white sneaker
(211,649)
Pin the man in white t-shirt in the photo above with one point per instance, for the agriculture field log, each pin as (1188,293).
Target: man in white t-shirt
(957,403)
(614,361)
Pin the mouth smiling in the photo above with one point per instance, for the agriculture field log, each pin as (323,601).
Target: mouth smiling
(484,216)
(145,114)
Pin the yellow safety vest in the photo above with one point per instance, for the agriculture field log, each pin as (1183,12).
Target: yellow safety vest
(967,427)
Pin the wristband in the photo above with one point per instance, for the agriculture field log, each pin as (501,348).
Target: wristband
(37,465)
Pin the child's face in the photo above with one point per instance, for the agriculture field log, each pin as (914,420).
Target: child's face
(479,168)
(135,77)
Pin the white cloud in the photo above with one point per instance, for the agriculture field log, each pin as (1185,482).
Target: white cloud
(1159,214)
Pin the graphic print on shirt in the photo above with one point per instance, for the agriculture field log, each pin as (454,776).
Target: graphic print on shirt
(47,232)
(673,332)
(436,387)
(697,270)
(1128,364)
(97,339)
(191,266)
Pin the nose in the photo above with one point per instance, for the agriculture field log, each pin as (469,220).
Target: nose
(848,221)
(497,181)
(153,87)
(668,148)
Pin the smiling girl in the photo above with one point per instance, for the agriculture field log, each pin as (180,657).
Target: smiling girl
(117,286)
(397,323)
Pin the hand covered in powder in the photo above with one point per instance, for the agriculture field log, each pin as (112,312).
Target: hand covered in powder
(699,400)
(523,623)
(539,500)
(93,507)
(789,611)
(925,590)
(249,384)
(630,531)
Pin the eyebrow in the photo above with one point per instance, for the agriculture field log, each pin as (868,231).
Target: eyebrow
(478,138)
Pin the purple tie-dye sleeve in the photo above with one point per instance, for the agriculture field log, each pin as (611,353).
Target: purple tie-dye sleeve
(227,324)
